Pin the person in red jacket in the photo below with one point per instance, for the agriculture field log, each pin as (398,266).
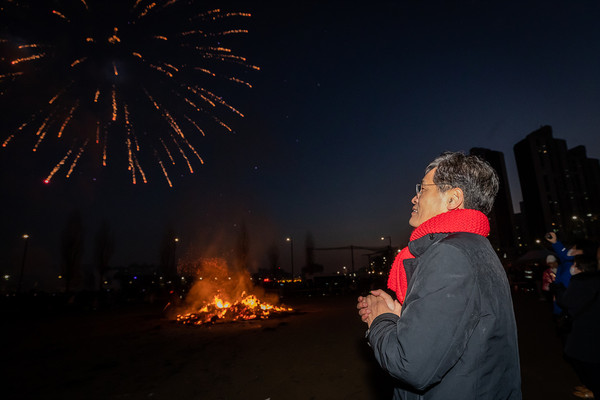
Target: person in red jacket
(549,276)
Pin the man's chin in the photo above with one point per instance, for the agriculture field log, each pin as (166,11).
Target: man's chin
(414,221)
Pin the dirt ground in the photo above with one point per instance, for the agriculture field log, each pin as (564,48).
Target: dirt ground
(319,352)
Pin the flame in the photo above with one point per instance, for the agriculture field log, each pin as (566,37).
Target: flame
(246,308)
(222,294)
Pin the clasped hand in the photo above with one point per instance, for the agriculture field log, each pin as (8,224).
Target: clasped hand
(375,304)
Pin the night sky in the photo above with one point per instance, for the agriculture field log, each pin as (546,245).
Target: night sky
(352,101)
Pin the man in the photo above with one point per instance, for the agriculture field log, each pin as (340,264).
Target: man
(451,332)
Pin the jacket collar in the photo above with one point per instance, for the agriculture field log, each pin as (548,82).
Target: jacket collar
(419,246)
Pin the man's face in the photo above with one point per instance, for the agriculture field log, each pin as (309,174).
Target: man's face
(429,203)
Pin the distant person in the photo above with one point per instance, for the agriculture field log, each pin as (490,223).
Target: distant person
(537,275)
(566,255)
(549,276)
(563,274)
(581,299)
(450,332)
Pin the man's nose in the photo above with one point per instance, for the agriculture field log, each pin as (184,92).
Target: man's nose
(414,199)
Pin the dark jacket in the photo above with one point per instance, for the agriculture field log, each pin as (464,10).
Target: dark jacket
(582,301)
(456,337)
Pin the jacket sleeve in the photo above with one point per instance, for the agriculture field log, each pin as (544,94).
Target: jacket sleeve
(561,251)
(439,315)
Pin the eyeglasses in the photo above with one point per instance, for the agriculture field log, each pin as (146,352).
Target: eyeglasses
(419,186)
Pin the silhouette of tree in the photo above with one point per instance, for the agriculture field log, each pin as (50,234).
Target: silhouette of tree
(72,248)
(242,249)
(168,255)
(273,257)
(311,266)
(105,248)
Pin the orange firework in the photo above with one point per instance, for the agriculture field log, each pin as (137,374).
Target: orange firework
(143,73)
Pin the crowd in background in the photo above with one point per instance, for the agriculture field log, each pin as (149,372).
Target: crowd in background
(571,282)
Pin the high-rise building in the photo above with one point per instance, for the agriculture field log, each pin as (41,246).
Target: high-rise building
(502,233)
(586,195)
(557,185)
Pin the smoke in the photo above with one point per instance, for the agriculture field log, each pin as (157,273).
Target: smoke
(214,277)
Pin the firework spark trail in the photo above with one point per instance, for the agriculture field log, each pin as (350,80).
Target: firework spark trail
(147,54)
(183,154)
(74,163)
(11,75)
(78,61)
(191,121)
(167,151)
(223,124)
(58,95)
(221,101)
(205,71)
(114,104)
(173,124)
(165,172)
(57,167)
(60,15)
(131,163)
(30,58)
(41,132)
(69,117)
(193,150)
(141,171)
(19,129)
(240,81)
(191,103)
(105,149)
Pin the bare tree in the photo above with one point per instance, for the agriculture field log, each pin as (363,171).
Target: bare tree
(105,248)
(168,254)
(72,248)
(242,249)
(273,257)
(311,266)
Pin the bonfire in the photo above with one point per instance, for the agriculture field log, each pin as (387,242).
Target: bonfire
(221,295)
(246,308)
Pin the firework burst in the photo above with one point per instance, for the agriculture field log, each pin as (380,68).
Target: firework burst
(131,81)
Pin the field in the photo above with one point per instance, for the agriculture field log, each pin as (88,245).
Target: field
(318,352)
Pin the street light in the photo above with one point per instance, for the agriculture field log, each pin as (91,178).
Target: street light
(289,239)
(26,237)
(389,238)
(175,260)
(389,252)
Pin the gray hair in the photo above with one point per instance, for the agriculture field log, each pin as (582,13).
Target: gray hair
(475,176)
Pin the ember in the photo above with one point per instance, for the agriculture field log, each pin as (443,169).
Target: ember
(248,307)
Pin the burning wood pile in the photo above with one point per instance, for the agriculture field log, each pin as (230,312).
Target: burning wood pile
(220,295)
(219,310)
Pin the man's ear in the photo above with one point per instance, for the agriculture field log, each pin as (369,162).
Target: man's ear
(455,199)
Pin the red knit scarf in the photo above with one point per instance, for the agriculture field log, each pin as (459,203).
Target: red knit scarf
(462,220)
